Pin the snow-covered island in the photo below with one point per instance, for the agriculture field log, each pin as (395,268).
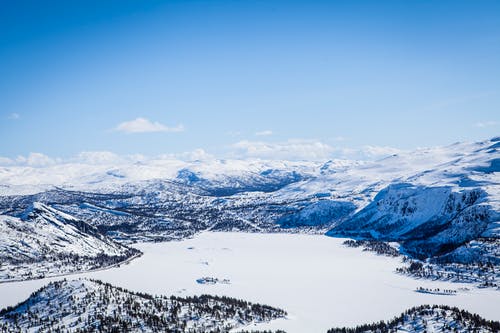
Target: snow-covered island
(436,291)
(90,305)
(212,280)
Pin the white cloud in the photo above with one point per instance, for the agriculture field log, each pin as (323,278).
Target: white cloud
(379,151)
(14,116)
(307,150)
(195,155)
(293,149)
(5,161)
(97,157)
(109,158)
(36,160)
(482,124)
(102,158)
(289,150)
(264,133)
(198,154)
(143,125)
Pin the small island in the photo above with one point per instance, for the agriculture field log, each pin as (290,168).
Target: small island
(212,280)
(436,291)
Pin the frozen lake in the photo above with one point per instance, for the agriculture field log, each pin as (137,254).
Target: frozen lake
(319,282)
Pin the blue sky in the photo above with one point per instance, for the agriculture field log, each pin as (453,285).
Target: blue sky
(156,77)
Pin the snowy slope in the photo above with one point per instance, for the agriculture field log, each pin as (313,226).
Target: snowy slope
(43,238)
(428,220)
(87,305)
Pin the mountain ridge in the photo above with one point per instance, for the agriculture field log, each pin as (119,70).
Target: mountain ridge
(439,203)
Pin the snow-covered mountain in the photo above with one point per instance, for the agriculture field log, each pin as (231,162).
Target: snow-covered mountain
(440,203)
(43,241)
(91,306)
(428,318)
(428,221)
(440,209)
(218,177)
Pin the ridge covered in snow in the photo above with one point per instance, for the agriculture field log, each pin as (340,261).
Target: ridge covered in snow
(43,241)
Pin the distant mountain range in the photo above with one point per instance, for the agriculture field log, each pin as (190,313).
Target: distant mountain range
(441,203)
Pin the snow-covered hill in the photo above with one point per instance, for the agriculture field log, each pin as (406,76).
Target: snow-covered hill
(427,318)
(43,241)
(90,306)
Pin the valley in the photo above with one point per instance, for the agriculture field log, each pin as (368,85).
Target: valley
(319,282)
(322,241)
